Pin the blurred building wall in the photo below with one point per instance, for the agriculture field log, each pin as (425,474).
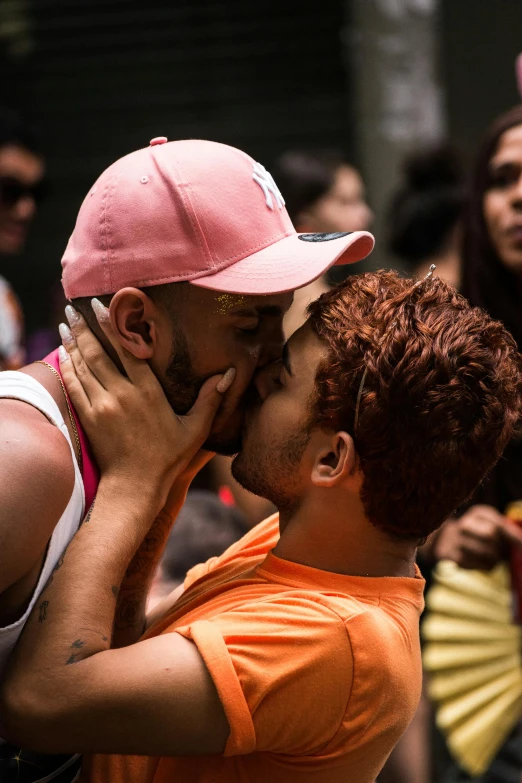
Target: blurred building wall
(373,77)
(392,47)
(479,40)
(102,77)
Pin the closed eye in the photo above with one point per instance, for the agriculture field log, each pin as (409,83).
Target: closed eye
(504,175)
(279,378)
(251,330)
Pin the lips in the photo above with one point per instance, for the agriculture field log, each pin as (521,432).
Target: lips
(15,230)
(515,233)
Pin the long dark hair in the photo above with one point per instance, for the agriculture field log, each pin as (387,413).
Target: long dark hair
(305,176)
(486,281)
(489,284)
(427,204)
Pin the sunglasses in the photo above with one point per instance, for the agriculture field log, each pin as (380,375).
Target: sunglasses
(12,191)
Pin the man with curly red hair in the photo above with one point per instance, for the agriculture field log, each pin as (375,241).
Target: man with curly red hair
(295,655)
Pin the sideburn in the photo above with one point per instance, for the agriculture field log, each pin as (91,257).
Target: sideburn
(181,385)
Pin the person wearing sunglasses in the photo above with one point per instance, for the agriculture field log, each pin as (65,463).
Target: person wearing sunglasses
(22,169)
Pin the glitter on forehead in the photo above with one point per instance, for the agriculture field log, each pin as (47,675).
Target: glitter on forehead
(225,302)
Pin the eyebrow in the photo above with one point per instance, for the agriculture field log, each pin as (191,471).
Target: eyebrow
(495,165)
(285,358)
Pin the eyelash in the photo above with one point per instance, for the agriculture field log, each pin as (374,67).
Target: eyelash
(503,178)
(279,377)
(250,331)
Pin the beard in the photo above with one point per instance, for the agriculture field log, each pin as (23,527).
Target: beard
(270,469)
(181,387)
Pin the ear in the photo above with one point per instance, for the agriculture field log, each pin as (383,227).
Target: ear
(334,462)
(134,317)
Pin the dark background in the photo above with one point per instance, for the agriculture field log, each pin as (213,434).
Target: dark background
(102,77)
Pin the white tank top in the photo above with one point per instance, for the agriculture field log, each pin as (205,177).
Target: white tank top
(19,386)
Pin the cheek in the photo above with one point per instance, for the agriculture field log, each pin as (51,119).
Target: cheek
(325,212)
(217,355)
(276,419)
(494,206)
(245,363)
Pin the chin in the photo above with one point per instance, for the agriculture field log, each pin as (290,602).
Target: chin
(242,473)
(227,438)
(11,247)
(513,260)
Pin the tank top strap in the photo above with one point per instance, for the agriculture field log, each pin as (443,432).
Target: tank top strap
(90,474)
(15,385)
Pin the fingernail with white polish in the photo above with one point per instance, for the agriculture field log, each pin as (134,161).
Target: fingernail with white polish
(101,312)
(62,354)
(72,315)
(226,380)
(66,334)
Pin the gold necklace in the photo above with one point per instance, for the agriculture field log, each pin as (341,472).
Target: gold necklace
(71,417)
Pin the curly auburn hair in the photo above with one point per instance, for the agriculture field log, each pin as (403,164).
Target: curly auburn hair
(441,398)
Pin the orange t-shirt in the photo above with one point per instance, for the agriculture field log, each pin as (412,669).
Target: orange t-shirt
(319,673)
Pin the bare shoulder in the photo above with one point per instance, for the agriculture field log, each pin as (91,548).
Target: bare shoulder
(36,482)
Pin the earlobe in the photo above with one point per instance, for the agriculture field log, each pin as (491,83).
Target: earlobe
(335,462)
(131,313)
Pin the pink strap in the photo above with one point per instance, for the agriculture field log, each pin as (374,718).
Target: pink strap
(90,474)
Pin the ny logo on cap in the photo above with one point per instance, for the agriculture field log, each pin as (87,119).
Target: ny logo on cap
(268,186)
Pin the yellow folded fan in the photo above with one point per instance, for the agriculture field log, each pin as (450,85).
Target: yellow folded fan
(472,655)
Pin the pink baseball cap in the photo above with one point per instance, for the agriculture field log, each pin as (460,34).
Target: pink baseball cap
(198,211)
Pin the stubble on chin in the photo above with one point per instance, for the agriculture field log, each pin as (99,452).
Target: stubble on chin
(270,470)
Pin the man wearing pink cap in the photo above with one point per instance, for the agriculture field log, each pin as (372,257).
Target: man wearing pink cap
(190,245)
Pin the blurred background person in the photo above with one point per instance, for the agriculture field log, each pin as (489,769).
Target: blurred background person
(325,194)
(480,536)
(425,213)
(22,170)
(205,528)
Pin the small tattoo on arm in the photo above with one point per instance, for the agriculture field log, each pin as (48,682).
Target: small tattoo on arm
(42,611)
(114,591)
(58,565)
(75,656)
(79,649)
(129,612)
(89,513)
(138,565)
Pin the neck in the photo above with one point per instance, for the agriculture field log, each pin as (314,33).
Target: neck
(335,535)
(447,264)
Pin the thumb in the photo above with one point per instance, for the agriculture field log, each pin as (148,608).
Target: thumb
(202,414)
(512,531)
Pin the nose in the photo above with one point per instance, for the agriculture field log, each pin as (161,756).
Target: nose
(266,379)
(272,347)
(25,208)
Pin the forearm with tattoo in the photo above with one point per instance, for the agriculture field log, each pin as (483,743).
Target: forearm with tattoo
(82,603)
(130,619)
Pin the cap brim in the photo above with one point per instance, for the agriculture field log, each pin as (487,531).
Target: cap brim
(288,264)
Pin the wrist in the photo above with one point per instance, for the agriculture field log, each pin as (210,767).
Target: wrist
(127,499)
